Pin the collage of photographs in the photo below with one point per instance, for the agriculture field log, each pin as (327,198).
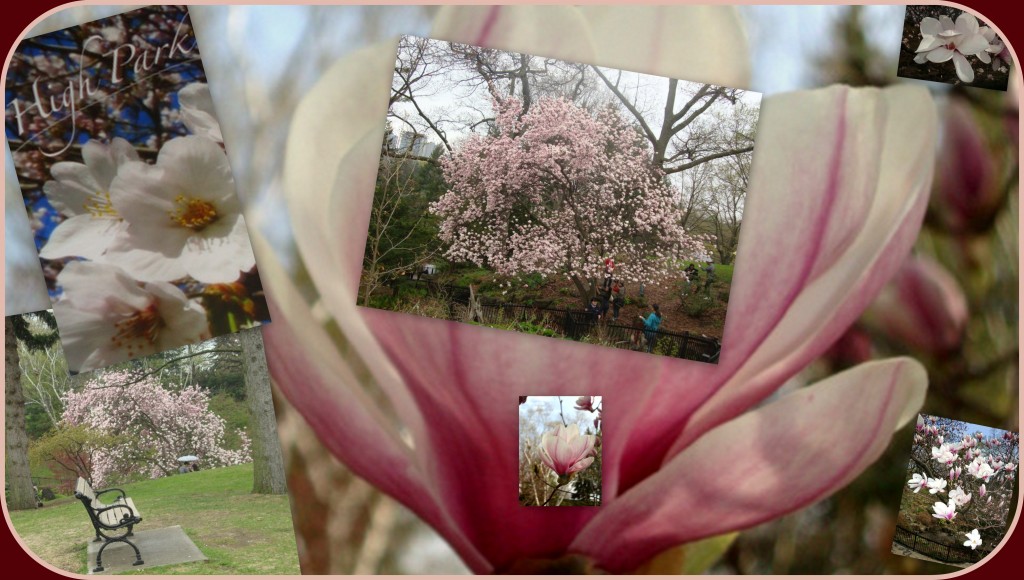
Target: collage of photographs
(274,276)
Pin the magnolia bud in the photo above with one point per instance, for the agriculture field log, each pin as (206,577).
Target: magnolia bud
(967,191)
(923,307)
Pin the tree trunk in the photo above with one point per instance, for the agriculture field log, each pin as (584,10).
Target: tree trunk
(21,495)
(267,463)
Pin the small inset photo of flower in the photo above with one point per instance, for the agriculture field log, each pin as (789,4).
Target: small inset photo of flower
(947,45)
(560,451)
(961,480)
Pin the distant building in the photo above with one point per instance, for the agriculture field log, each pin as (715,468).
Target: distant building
(414,144)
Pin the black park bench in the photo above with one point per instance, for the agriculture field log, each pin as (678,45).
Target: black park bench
(113,522)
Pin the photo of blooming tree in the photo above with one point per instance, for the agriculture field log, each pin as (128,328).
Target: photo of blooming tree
(961,484)
(559,199)
(121,164)
(560,451)
(947,45)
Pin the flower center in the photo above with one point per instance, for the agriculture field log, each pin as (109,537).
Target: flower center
(99,205)
(138,331)
(194,214)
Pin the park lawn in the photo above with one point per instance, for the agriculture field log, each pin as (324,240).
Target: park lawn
(239,532)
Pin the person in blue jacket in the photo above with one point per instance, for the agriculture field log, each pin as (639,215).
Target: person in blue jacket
(651,325)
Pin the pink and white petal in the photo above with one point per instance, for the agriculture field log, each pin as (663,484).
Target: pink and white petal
(929,43)
(101,288)
(776,459)
(699,43)
(197,167)
(972,44)
(219,260)
(196,110)
(946,23)
(330,169)
(940,54)
(326,389)
(154,262)
(983,57)
(141,195)
(964,70)
(73,188)
(879,178)
(452,361)
(185,320)
(921,58)
(82,236)
(930,26)
(966,24)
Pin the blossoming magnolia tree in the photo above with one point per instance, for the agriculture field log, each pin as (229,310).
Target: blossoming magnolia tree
(838,190)
(151,426)
(556,191)
(964,479)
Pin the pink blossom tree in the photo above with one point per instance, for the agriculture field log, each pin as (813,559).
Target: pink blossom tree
(971,473)
(153,426)
(557,190)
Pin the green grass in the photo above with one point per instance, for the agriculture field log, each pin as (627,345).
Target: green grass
(239,532)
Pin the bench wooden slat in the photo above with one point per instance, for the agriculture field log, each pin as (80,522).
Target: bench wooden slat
(112,517)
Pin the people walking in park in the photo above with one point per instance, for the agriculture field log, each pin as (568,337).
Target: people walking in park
(618,301)
(709,271)
(594,309)
(609,271)
(651,325)
(606,298)
(692,277)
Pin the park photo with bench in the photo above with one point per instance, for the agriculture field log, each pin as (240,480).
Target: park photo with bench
(168,464)
(559,199)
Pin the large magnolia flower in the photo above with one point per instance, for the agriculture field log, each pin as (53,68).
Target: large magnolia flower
(566,451)
(944,511)
(106,317)
(184,217)
(196,110)
(837,194)
(81,193)
(942,40)
(917,482)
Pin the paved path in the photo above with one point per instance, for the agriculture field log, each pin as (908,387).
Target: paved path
(901,550)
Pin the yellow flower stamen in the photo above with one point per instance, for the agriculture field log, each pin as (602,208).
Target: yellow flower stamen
(194,214)
(100,207)
(138,331)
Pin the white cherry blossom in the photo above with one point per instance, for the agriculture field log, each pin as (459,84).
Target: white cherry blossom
(184,217)
(81,193)
(106,317)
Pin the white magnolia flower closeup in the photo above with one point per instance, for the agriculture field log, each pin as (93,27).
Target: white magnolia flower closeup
(973,539)
(81,193)
(942,40)
(944,454)
(184,217)
(936,485)
(106,317)
(917,482)
(1000,53)
(959,496)
(944,511)
(196,109)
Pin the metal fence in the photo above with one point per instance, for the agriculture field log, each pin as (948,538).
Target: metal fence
(934,549)
(576,325)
